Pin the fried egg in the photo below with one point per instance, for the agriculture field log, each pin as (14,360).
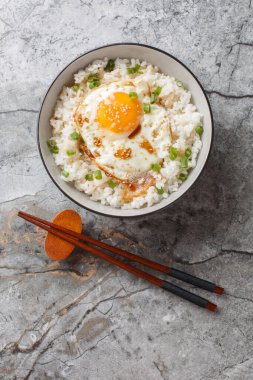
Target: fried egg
(123,141)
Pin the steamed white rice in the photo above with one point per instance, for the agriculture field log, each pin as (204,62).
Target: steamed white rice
(184,119)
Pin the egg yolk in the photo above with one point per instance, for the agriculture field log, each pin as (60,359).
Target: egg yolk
(119,113)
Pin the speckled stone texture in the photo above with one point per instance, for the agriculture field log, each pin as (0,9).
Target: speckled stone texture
(83,319)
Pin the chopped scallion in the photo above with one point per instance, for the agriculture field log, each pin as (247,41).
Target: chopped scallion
(152,99)
(110,65)
(134,69)
(92,76)
(52,146)
(184,162)
(70,152)
(155,94)
(199,130)
(188,152)
(179,84)
(55,149)
(75,87)
(65,174)
(75,135)
(94,83)
(183,176)
(133,95)
(89,177)
(160,191)
(156,167)
(146,107)
(158,90)
(98,174)
(111,184)
(93,80)
(173,153)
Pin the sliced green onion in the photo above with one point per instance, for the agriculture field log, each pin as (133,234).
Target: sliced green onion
(98,174)
(92,76)
(71,152)
(89,177)
(111,184)
(93,80)
(155,94)
(152,99)
(65,174)
(52,146)
(173,153)
(134,69)
(179,84)
(110,65)
(55,149)
(199,130)
(75,87)
(146,107)
(156,167)
(75,135)
(183,176)
(51,143)
(133,95)
(184,162)
(188,152)
(160,191)
(158,90)
(94,83)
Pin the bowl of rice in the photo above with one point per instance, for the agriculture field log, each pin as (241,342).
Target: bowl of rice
(125,130)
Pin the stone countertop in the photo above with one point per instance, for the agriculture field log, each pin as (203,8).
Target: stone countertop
(84,319)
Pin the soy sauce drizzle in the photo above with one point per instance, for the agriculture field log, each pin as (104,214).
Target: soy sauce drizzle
(135,132)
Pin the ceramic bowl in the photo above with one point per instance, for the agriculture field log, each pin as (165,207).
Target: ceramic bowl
(168,65)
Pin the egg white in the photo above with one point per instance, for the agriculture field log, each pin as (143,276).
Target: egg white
(155,128)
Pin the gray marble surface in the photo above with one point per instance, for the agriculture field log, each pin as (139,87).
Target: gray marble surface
(83,319)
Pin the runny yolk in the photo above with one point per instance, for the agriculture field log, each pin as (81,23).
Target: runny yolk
(119,113)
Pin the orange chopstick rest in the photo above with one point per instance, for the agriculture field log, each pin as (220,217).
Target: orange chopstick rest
(57,248)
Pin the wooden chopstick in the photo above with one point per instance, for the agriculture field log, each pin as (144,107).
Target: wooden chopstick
(197,300)
(183,276)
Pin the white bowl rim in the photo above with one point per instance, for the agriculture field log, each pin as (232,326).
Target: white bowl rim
(148,212)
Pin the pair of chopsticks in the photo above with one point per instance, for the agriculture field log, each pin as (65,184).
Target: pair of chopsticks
(80,240)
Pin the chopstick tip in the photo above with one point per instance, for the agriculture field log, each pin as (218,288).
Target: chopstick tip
(211,306)
(219,290)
